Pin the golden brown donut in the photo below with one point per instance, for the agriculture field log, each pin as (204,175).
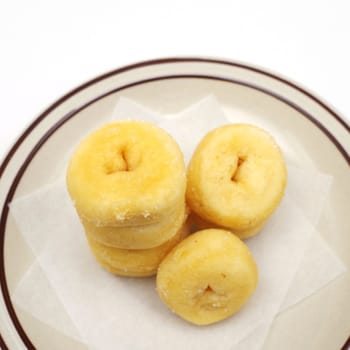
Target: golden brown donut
(138,237)
(207,277)
(127,173)
(130,262)
(236,178)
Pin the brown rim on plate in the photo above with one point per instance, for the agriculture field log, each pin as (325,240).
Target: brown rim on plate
(346,346)
(164,61)
(2,343)
(67,117)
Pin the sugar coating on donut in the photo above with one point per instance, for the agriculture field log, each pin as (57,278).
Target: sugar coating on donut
(131,262)
(126,173)
(197,223)
(236,177)
(207,277)
(140,236)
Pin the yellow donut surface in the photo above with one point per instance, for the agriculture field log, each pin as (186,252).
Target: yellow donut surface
(197,223)
(207,277)
(136,263)
(126,173)
(236,177)
(138,237)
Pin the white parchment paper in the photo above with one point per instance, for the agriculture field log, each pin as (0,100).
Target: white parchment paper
(106,310)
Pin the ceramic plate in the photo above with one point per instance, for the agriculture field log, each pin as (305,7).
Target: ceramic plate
(318,133)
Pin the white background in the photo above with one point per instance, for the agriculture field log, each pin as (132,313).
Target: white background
(50,47)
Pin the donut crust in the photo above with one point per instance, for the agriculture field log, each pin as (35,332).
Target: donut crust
(236,177)
(131,262)
(207,277)
(138,237)
(127,173)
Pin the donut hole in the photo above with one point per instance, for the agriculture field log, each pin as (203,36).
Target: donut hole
(127,165)
(209,290)
(240,162)
(206,292)
(209,299)
(125,160)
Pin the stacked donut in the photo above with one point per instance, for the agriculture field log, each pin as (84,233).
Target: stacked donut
(127,181)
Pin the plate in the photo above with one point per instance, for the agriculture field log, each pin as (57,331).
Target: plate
(320,137)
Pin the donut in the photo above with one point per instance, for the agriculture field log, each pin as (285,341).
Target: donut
(138,237)
(207,277)
(130,262)
(127,173)
(236,178)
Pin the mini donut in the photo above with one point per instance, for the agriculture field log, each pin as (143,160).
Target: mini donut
(236,178)
(207,277)
(134,263)
(138,237)
(127,173)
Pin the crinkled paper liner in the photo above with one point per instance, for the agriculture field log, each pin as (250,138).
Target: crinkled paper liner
(66,289)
